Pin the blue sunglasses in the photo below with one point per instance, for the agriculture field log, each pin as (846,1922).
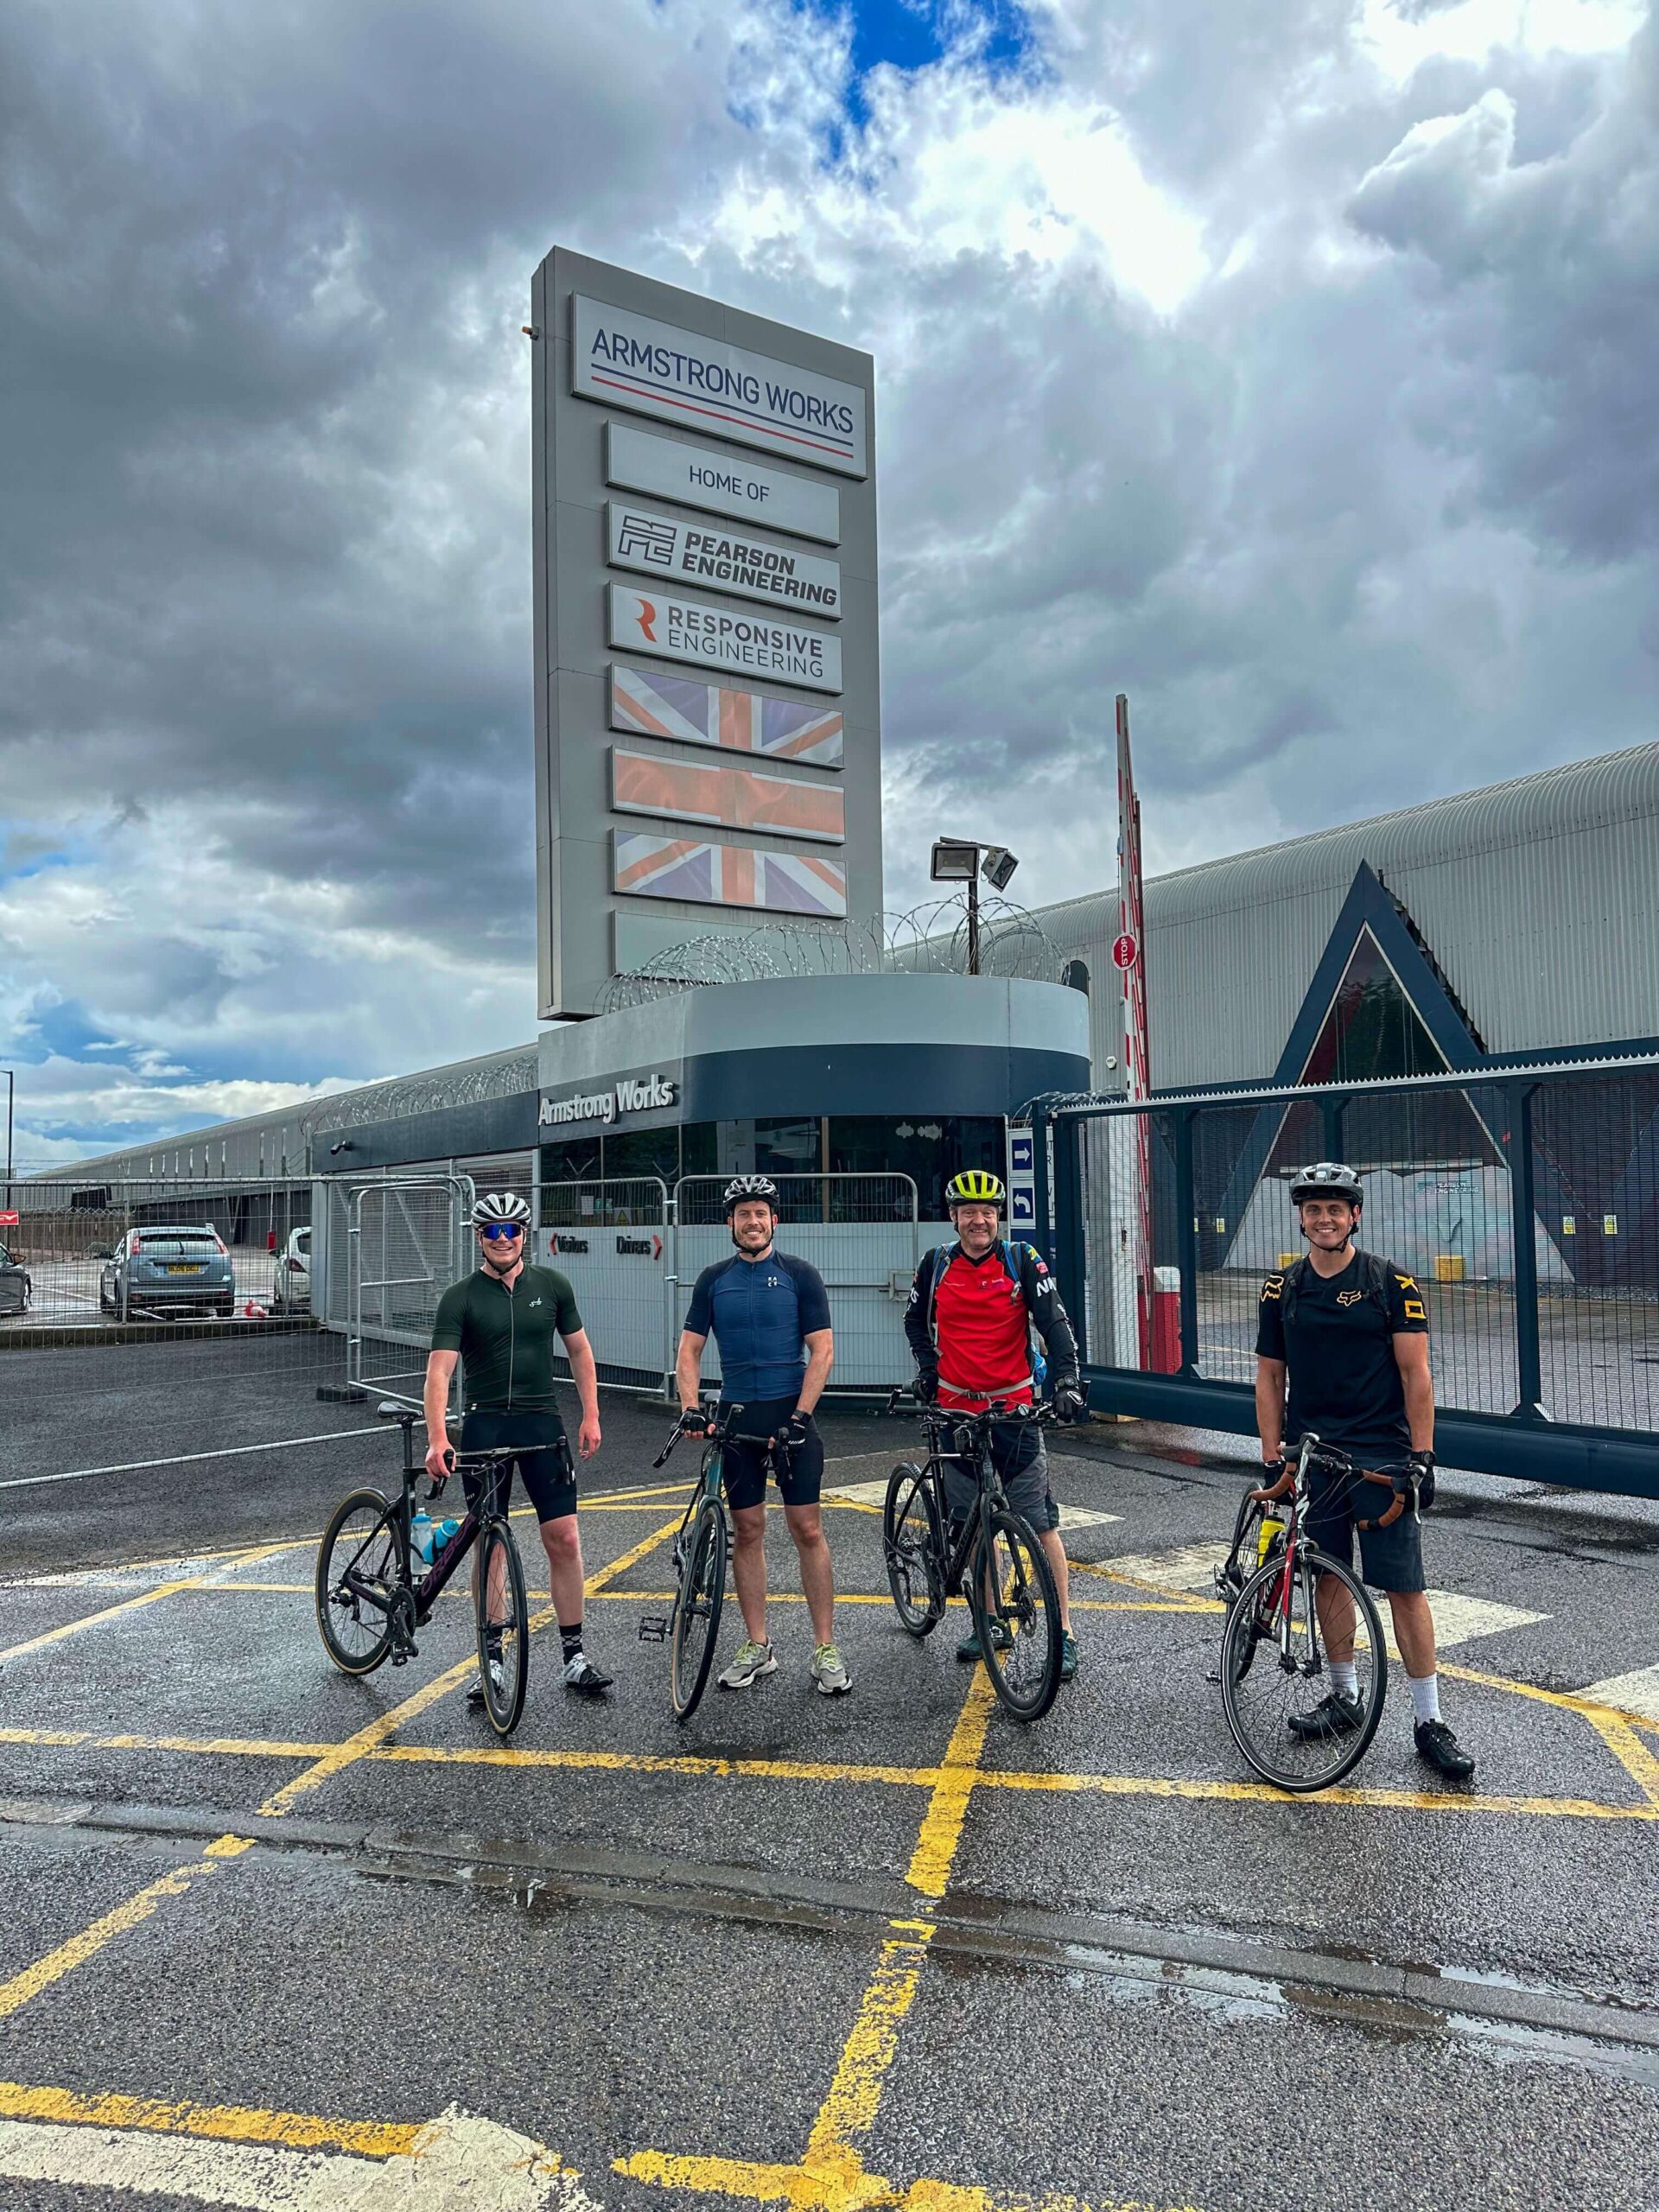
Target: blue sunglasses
(492,1231)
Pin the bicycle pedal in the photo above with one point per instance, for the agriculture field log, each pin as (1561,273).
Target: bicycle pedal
(653,1628)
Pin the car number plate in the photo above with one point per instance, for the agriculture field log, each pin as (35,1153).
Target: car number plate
(186,1267)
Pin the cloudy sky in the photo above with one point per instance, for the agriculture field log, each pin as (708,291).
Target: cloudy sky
(1287,363)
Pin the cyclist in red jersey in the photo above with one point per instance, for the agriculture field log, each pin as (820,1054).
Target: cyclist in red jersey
(973,1308)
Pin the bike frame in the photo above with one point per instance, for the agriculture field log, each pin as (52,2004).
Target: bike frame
(940,1427)
(426,1593)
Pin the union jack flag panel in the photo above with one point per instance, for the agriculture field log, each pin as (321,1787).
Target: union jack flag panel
(733,798)
(713,713)
(730,875)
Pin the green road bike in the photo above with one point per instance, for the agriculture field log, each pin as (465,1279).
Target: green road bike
(702,1549)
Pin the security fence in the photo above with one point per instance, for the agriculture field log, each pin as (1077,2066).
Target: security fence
(153,1258)
(1524,1204)
(634,1249)
(862,1234)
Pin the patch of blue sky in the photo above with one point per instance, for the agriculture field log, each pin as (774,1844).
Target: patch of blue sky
(62,1026)
(911,34)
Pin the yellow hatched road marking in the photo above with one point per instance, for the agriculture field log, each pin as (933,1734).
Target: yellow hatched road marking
(1244,1793)
(17,1993)
(1632,1754)
(130,1605)
(941,1829)
(296,2131)
(94,1620)
(370,1738)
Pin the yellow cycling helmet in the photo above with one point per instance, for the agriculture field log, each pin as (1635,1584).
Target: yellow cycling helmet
(974,1187)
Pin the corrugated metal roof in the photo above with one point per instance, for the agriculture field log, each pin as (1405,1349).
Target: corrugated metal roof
(1539,898)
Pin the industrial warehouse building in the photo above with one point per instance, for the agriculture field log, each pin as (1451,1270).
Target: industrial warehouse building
(1515,925)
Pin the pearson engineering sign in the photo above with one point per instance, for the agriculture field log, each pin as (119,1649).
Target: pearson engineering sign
(649,1094)
(654,368)
(748,567)
(690,629)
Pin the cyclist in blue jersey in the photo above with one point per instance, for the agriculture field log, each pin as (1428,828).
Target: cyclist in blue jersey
(769,1314)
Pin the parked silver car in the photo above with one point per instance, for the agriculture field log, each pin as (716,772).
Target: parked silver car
(16,1288)
(169,1267)
(291,1290)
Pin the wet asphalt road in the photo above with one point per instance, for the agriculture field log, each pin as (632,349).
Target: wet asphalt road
(263,1922)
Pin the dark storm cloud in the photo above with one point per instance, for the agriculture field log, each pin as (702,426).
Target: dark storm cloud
(1304,394)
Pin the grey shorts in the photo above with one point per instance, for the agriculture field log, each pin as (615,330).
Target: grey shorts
(1389,1559)
(1020,1457)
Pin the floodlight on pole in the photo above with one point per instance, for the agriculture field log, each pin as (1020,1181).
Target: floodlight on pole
(955,860)
(998,866)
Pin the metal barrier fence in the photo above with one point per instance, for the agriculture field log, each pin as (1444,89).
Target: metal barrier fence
(633,1250)
(1525,1203)
(862,1234)
(152,1255)
(613,1239)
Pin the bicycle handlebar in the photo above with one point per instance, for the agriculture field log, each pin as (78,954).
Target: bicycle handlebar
(720,1428)
(903,1399)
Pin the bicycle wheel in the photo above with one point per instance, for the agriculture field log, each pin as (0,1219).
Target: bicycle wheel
(913,1536)
(356,1577)
(1017,1618)
(695,1627)
(1275,1678)
(503,1627)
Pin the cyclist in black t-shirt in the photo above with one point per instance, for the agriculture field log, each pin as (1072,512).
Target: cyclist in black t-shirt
(1353,1332)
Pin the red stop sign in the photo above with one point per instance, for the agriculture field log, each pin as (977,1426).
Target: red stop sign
(1125,951)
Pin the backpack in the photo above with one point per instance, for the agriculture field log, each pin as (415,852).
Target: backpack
(1374,1274)
(1009,1247)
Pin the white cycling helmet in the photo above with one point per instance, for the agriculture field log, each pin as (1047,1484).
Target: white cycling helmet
(500,1206)
(750,1187)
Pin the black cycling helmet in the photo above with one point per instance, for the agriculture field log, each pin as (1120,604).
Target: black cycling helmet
(1328,1178)
(750,1187)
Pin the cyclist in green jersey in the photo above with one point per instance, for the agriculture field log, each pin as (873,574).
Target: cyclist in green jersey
(501,1320)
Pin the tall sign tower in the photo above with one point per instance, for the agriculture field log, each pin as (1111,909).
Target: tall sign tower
(707,711)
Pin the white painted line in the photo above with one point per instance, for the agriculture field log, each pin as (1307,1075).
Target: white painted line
(1459,1619)
(183,1458)
(459,2165)
(1084,1516)
(1634,1692)
(1190,1566)
(861,1493)
(1071,1516)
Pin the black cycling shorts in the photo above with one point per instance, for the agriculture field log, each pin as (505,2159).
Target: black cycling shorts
(1390,1559)
(542,1455)
(800,1477)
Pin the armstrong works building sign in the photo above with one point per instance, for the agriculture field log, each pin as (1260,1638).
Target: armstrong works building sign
(704,504)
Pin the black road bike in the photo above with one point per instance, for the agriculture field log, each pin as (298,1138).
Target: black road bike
(370,1603)
(1288,1603)
(995,1555)
(701,1551)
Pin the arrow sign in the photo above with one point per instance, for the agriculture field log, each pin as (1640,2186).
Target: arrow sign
(457,2164)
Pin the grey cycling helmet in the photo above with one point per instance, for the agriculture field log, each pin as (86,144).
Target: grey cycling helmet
(1328,1178)
(500,1206)
(750,1187)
